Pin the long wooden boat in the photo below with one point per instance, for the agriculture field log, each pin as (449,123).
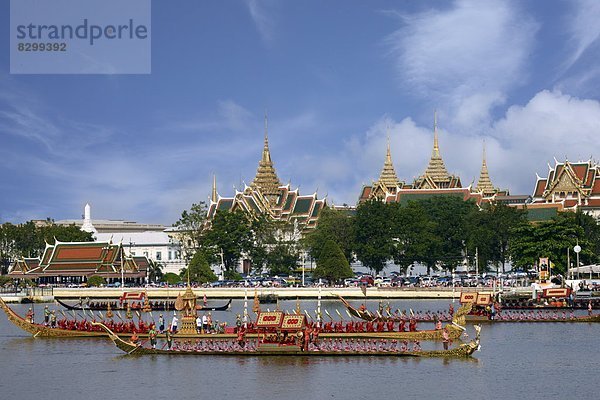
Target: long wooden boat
(368,316)
(40,330)
(155,305)
(461,351)
(498,319)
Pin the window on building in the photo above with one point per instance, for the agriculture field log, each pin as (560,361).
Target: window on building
(133,253)
(170,255)
(146,253)
(158,255)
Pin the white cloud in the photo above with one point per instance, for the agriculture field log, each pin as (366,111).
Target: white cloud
(465,58)
(583,27)
(522,142)
(261,12)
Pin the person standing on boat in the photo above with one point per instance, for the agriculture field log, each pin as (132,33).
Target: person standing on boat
(445,338)
(199,324)
(53,319)
(204,323)
(174,323)
(152,335)
(589,308)
(46,315)
(29,315)
(169,339)
(161,323)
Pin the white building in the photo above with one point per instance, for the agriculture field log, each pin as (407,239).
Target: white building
(148,240)
(157,246)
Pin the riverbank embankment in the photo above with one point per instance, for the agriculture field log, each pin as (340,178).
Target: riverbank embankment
(281,293)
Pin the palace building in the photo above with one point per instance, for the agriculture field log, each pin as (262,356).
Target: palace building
(75,262)
(569,186)
(434,181)
(268,196)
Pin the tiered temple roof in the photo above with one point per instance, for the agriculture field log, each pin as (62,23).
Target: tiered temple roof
(267,196)
(266,180)
(436,175)
(82,259)
(484,184)
(573,185)
(388,183)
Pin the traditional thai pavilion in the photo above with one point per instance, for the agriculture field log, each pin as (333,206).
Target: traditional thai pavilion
(75,262)
(569,186)
(268,196)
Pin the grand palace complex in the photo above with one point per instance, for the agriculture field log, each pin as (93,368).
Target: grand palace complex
(568,186)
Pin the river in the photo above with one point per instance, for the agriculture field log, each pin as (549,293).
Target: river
(516,361)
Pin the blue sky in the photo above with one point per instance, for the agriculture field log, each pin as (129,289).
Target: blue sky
(522,75)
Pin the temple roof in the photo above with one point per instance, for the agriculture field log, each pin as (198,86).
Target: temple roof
(266,179)
(436,169)
(484,184)
(83,259)
(436,175)
(388,174)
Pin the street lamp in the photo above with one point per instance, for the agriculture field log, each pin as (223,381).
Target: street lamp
(577,249)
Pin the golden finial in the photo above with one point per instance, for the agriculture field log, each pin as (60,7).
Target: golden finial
(436,146)
(214,196)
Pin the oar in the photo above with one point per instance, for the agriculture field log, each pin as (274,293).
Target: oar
(307,314)
(338,313)
(329,315)
(101,315)
(350,315)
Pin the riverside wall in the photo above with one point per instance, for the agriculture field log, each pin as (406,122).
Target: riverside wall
(282,293)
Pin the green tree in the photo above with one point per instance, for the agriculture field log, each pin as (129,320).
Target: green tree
(550,239)
(200,271)
(332,264)
(373,235)
(228,237)
(171,278)
(191,228)
(263,230)
(449,215)
(336,225)
(96,280)
(155,273)
(282,259)
(414,236)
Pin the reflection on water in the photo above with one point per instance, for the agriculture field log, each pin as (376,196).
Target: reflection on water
(517,361)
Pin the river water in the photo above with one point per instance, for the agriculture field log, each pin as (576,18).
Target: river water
(516,361)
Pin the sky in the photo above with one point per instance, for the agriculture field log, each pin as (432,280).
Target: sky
(333,77)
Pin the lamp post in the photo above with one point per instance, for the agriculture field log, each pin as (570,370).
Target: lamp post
(222,265)
(577,249)
(303,265)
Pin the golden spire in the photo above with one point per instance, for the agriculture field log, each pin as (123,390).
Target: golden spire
(266,180)
(388,174)
(436,170)
(214,197)
(484,185)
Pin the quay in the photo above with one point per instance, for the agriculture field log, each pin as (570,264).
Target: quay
(284,293)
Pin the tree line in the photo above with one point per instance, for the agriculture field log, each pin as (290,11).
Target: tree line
(443,232)
(440,232)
